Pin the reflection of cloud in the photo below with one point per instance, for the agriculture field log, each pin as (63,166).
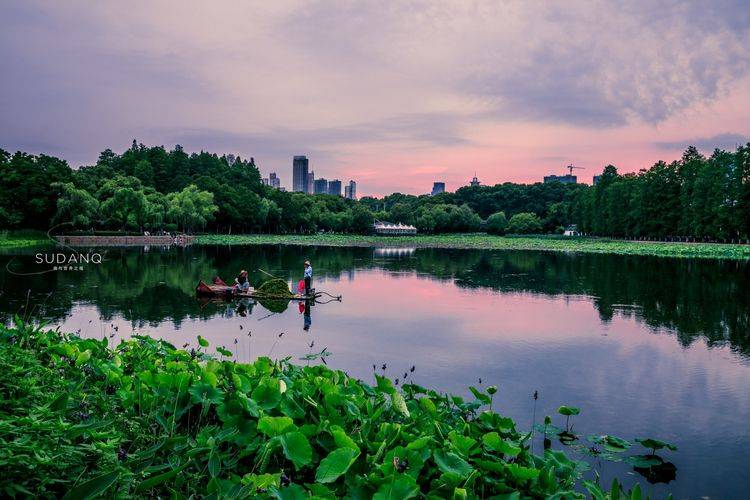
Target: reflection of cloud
(721,141)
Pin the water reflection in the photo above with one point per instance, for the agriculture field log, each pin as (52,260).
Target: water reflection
(693,299)
(645,346)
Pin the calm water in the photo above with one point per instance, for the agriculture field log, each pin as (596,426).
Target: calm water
(644,346)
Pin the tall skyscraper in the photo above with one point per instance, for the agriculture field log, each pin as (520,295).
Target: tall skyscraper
(437,188)
(350,190)
(321,186)
(274,181)
(299,174)
(334,187)
(310,182)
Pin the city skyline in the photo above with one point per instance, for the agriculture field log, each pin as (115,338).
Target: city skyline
(394,96)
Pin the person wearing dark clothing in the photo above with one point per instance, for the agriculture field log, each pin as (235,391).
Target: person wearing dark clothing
(241,284)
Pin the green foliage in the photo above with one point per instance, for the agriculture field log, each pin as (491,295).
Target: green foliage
(482,241)
(694,198)
(497,223)
(276,287)
(145,419)
(524,223)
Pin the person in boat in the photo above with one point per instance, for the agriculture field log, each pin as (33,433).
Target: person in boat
(241,283)
(308,277)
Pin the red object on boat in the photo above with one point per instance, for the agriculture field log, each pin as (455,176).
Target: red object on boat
(301,286)
(219,288)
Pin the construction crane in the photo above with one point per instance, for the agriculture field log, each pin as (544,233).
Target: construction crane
(571,167)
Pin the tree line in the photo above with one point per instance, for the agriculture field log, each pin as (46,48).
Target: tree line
(150,188)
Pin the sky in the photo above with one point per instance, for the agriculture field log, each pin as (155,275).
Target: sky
(395,95)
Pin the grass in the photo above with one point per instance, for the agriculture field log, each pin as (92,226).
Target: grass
(485,241)
(84,419)
(20,239)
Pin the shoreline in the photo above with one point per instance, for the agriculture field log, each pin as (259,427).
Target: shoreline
(481,241)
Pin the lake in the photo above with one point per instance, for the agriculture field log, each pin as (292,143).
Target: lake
(646,347)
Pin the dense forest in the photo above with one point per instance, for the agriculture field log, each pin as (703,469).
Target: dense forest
(152,189)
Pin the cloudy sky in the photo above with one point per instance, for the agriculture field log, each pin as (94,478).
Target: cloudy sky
(393,94)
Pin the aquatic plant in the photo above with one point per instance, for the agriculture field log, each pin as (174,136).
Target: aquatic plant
(490,242)
(275,287)
(146,419)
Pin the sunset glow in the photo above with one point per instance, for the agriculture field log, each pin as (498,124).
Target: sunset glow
(394,95)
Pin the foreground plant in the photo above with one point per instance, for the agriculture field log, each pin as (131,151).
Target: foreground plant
(78,417)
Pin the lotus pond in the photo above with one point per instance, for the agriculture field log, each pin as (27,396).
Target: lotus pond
(612,348)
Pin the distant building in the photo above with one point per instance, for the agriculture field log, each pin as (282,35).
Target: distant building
(571,230)
(390,229)
(299,174)
(264,181)
(310,182)
(596,179)
(437,188)
(320,186)
(350,191)
(274,181)
(565,179)
(334,187)
(474,182)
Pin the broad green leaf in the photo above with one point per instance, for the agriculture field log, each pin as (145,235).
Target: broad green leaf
(568,410)
(341,439)
(94,487)
(214,463)
(484,398)
(291,492)
(452,463)
(205,393)
(203,342)
(296,448)
(60,403)
(335,464)
(83,357)
(493,441)
(427,405)
(274,426)
(656,444)
(397,488)
(399,404)
(160,478)
(267,394)
(522,473)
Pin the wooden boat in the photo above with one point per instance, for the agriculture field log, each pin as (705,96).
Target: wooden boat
(220,289)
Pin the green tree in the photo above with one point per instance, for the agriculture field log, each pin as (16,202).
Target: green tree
(191,208)
(497,223)
(75,206)
(524,223)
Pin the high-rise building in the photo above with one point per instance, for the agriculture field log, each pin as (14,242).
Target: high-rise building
(299,174)
(437,188)
(565,179)
(310,182)
(274,181)
(350,190)
(474,182)
(321,186)
(597,178)
(334,187)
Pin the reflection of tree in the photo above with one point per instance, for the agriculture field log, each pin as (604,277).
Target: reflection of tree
(695,298)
